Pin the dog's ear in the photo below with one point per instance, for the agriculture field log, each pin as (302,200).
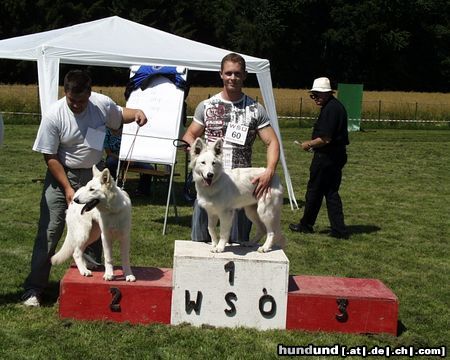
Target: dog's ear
(218,145)
(95,170)
(106,177)
(197,147)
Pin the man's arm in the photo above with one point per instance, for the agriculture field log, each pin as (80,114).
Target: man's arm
(194,131)
(57,170)
(270,139)
(316,143)
(130,115)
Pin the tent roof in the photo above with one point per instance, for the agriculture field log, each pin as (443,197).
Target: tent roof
(115,41)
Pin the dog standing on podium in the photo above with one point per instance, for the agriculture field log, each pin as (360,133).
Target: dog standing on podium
(99,208)
(221,191)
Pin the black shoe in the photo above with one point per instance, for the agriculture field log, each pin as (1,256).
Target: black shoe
(339,235)
(301,228)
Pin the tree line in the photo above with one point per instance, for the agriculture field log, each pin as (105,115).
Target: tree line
(383,44)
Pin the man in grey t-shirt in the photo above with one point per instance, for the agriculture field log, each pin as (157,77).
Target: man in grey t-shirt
(70,138)
(231,109)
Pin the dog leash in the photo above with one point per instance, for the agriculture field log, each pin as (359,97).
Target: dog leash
(130,152)
(178,143)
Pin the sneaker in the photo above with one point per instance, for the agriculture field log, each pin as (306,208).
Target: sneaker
(301,228)
(33,301)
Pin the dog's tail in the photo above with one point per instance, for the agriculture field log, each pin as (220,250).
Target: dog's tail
(63,254)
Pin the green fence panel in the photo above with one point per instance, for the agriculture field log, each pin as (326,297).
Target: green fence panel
(351,96)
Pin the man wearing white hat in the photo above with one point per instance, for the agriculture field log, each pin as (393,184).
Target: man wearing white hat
(328,143)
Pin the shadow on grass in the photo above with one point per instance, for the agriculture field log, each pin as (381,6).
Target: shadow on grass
(300,203)
(51,294)
(362,229)
(11,298)
(49,298)
(180,220)
(357,229)
(401,328)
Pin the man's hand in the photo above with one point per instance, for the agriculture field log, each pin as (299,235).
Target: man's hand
(57,170)
(262,182)
(69,193)
(140,118)
(194,131)
(306,145)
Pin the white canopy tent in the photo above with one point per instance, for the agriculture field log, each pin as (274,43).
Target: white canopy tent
(118,42)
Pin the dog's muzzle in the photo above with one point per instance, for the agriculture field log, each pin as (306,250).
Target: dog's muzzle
(208,179)
(88,206)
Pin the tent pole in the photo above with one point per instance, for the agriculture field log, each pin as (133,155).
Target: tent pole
(168,199)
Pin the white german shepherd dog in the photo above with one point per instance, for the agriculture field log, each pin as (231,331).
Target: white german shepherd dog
(221,191)
(99,208)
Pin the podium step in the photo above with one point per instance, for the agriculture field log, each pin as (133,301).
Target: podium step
(238,287)
(334,304)
(91,298)
(314,303)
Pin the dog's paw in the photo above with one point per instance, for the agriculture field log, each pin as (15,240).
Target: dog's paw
(108,277)
(262,249)
(86,272)
(217,249)
(130,278)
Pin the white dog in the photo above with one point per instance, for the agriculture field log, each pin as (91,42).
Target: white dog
(221,191)
(99,208)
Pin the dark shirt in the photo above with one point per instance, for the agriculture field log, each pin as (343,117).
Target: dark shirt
(332,123)
(112,142)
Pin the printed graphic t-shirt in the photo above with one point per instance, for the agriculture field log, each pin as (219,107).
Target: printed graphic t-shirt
(77,139)
(215,114)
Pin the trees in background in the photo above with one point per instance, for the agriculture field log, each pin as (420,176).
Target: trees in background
(384,44)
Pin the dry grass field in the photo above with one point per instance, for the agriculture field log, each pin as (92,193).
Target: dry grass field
(289,102)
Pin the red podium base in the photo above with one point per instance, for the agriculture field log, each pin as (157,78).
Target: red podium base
(333,304)
(146,300)
(315,303)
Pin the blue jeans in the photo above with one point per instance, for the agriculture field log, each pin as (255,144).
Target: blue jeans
(240,229)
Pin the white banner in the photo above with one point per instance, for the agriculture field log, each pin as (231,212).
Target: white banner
(162,103)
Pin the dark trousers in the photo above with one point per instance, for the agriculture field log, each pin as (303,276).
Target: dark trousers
(240,228)
(325,176)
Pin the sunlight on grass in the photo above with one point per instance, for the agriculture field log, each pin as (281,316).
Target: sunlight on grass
(396,198)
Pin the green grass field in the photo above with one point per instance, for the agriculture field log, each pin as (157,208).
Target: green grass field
(396,196)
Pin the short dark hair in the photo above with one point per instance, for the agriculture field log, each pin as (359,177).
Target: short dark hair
(77,82)
(233,57)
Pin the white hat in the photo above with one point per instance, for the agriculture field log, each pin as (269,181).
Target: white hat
(321,84)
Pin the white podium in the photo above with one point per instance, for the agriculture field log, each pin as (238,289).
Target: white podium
(239,287)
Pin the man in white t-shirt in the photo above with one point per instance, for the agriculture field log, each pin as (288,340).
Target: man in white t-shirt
(232,110)
(70,137)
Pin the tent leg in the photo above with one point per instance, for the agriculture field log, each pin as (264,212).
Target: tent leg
(174,204)
(168,199)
